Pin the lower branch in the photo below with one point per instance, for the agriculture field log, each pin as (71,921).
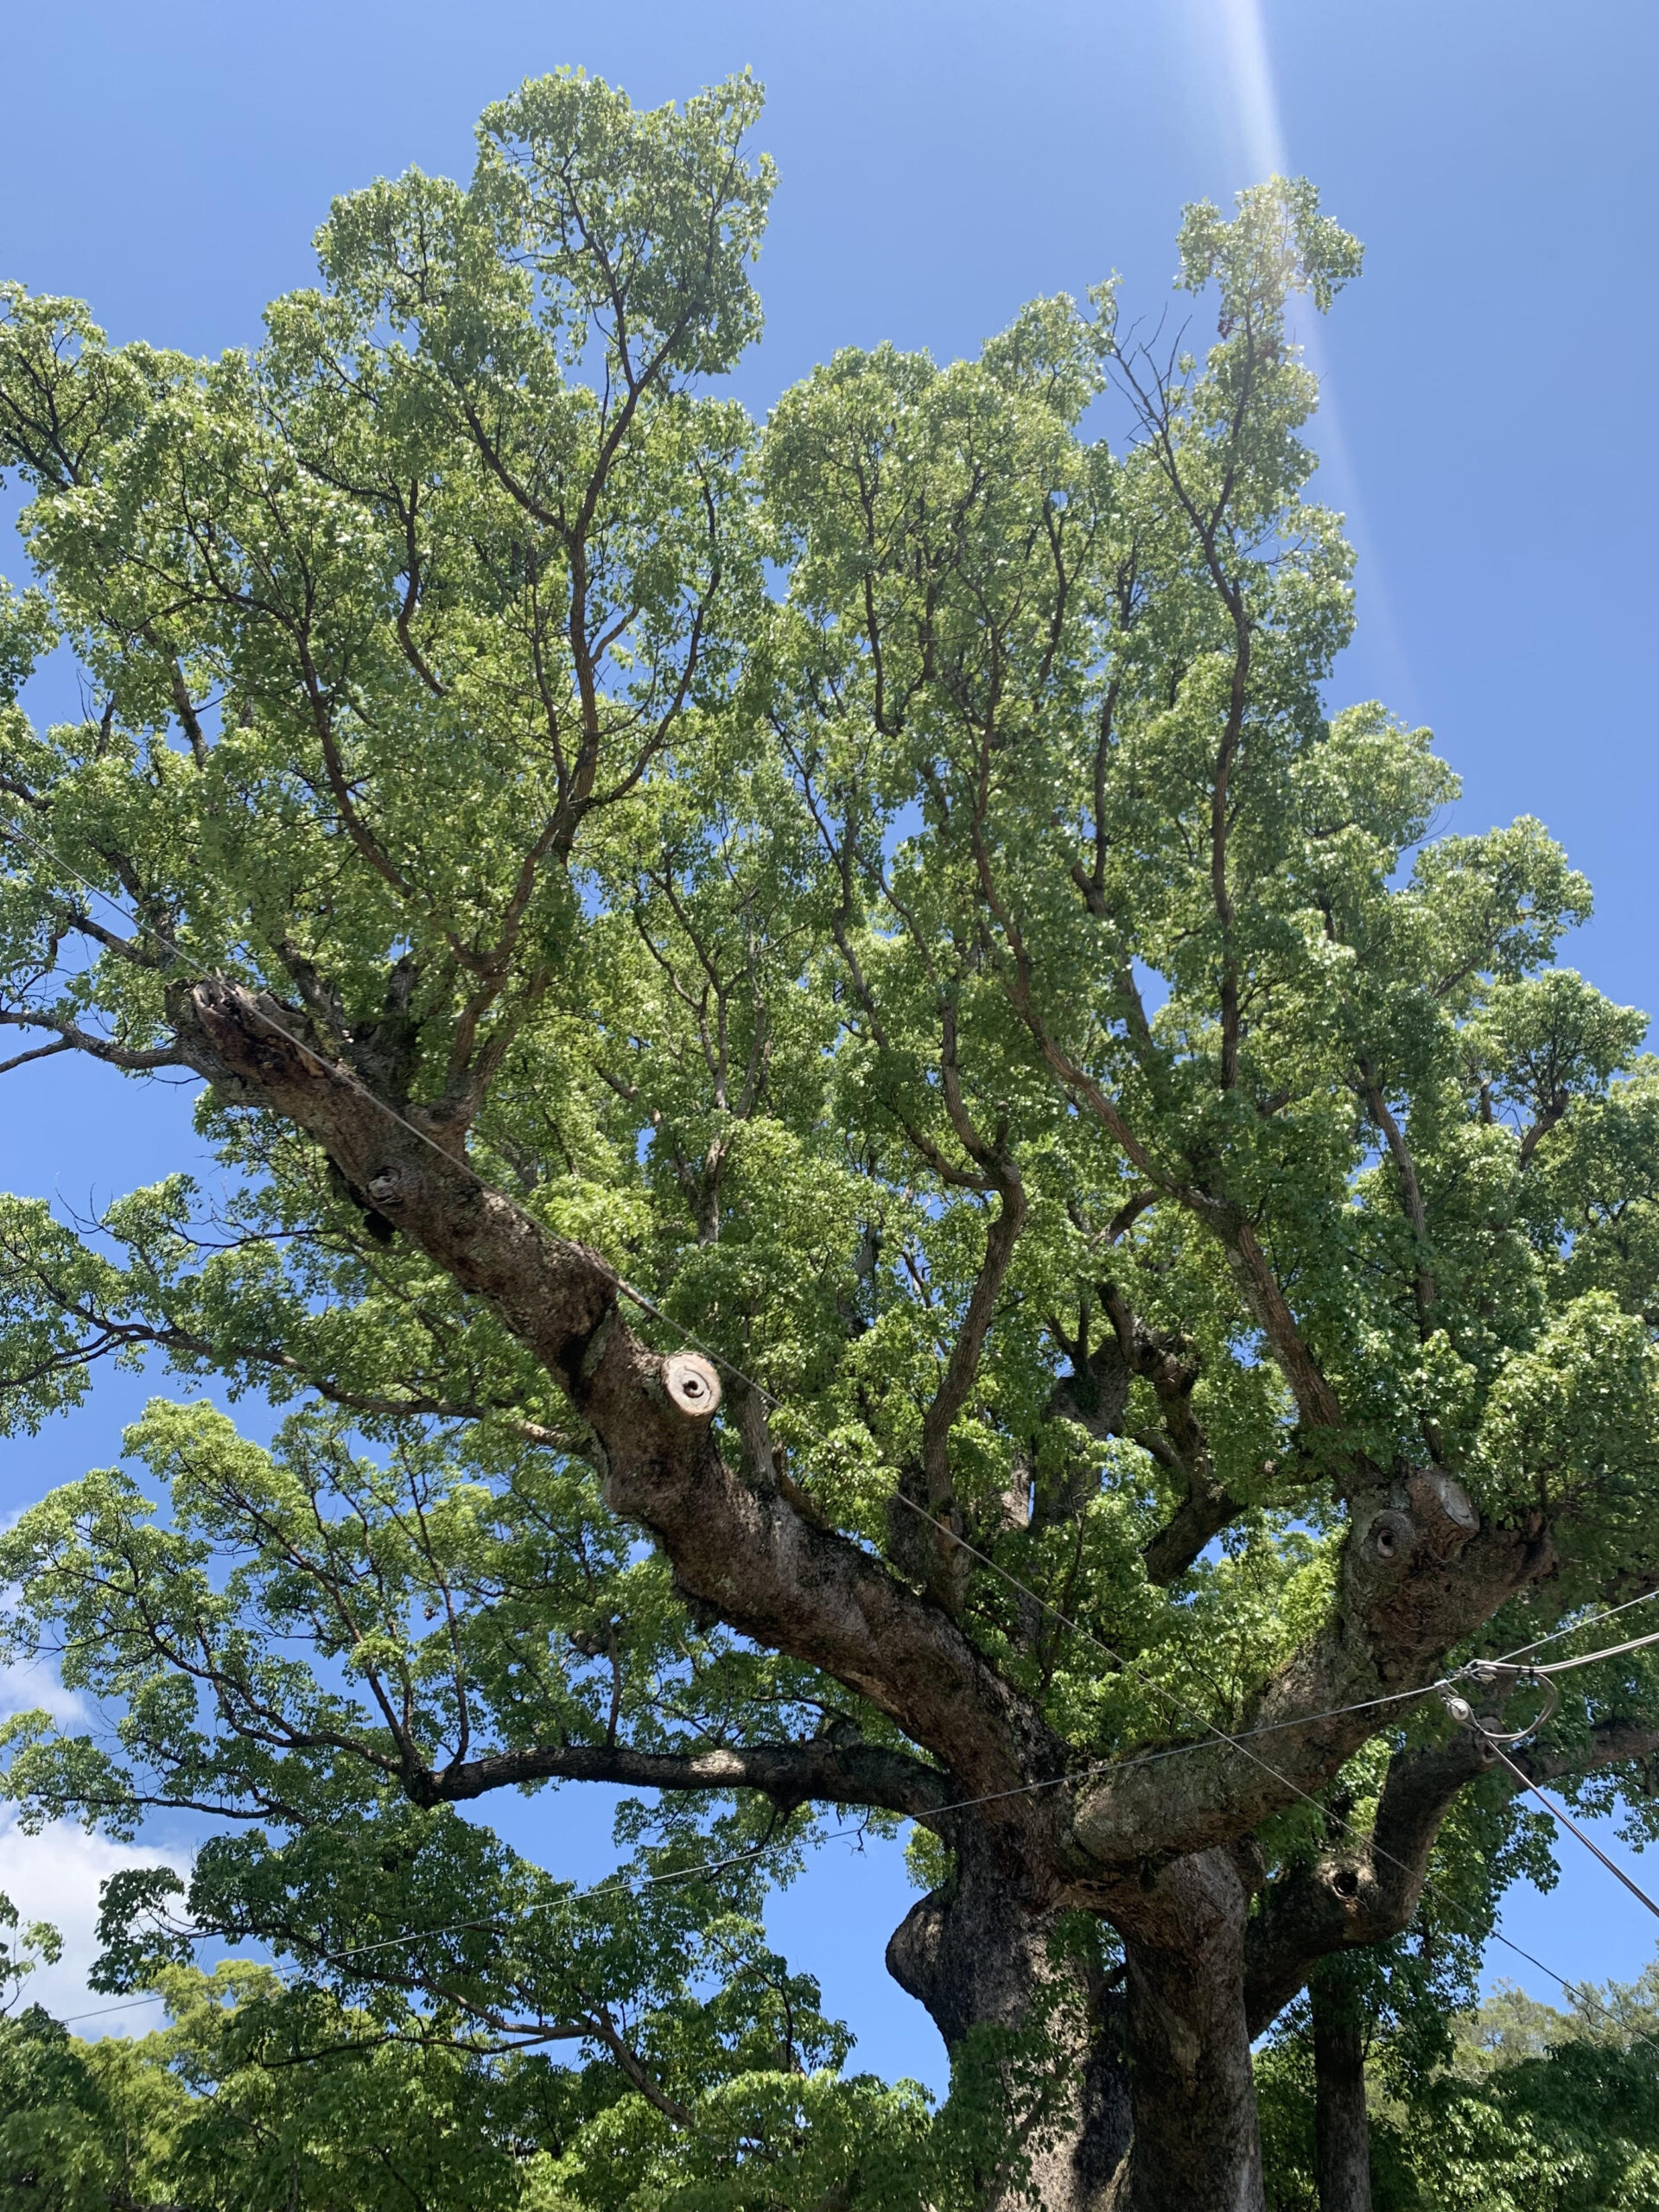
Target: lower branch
(1365,1893)
(1357,1896)
(791,1775)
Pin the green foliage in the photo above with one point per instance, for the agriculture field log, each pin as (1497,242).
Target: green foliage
(1536,2111)
(781,856)
(23,1945)
(267,2099)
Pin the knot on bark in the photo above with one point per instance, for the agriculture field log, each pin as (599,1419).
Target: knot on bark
(1388,1540)
(1433,1514)
(1354,1889)
(255,1038)
(1444,1511)
(421,1787)
(914,1954)
(692,1384)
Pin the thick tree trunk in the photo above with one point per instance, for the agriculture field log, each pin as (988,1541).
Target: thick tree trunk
(1342,2137)
(1150,2106)
(976,1953)
(1196,2146)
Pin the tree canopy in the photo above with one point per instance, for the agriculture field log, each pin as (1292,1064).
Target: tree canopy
(880,898)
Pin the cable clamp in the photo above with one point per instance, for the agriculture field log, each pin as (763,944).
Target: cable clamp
(1459,1707)
(1493,1675)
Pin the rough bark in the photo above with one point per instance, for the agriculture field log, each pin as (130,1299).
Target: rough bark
(1366,1891)
(1196,2144)
(1362,1892)
(1414,1579)
(976,1953)
(738,1547)
(1342,2135)
(823,1771)
(1410,1588)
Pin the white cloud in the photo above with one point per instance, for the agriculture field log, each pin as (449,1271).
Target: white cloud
(30,1685)
(55,1875)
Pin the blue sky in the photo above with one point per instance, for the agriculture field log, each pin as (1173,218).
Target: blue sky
(1489,427)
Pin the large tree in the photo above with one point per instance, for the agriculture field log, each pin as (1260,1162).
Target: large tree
(880,896)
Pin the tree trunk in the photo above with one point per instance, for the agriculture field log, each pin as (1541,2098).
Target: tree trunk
(978,1954)
(1196,2145)
(1342,2136)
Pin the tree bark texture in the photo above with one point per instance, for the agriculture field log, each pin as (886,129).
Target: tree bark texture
(1196,2145)
(976,1953)
(1342,2137)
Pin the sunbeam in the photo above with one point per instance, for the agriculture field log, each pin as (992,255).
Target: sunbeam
(1248,65)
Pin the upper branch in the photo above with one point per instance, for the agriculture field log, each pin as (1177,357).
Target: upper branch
(1411,1194)
(1172,1368)
(1412,1584)
(72,1037)
(1002,1172)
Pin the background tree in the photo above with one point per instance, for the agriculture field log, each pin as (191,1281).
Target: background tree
(1181,1260)
(24,1945)
(1537,2106)
(259,2096)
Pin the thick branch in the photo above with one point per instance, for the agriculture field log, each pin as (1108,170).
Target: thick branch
(820,1772)
(1201,1515)
(1169,1364)
(605,2030)
(1363,1893)
(743,1550)
(1366,1893)
(1413,1583)
(1316,1401)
